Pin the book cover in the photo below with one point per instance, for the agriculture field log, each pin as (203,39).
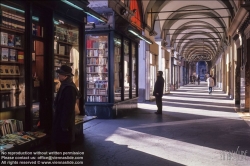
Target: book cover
(38,30)
(13,84)
(12,55)
(4,54)
(11,40)
(8,84)
(1,21)
(7,70)
(4,38)
(34,29)
(18,41)
(17,71)
(41,31)
(2,72)
(13,122)
(20,56)
(3,131)
(2,85)
(61,50)
(55,47)
(12,70)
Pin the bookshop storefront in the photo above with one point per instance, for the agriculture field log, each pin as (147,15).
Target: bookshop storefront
(36,39)
(111,66)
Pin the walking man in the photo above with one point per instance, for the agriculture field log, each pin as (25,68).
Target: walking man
(158,91)
(210,83)
(64,116)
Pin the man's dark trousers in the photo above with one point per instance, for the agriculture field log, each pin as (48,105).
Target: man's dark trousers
(159,103)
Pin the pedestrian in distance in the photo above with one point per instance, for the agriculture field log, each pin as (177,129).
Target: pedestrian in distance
(63,133)
(191,79)
(210,83)
(158,91)
(198,79)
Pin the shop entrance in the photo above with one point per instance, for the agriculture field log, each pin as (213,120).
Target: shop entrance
(40,64)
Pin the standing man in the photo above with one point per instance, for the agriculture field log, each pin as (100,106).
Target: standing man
(63,133)
(210,83)
(158,91)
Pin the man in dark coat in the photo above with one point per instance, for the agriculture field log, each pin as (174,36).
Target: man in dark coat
(63,133)
(158,91)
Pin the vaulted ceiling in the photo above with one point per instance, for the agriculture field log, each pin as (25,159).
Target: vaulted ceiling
(197,30)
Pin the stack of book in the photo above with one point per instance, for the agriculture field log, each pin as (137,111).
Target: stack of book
(63,34)
(12,20)
(8,84)
(37,30)
(9,39)
(10,126)
(12,134)
(9,70)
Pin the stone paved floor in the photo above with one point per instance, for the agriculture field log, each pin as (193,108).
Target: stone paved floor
(196,129)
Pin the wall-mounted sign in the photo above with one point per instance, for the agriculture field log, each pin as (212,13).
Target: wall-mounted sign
(136,18)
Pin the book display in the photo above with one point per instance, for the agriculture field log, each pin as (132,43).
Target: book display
(35,40)
(13,135)
(97,68)
(12,81)
(12,87)
(117,69)
(111,66)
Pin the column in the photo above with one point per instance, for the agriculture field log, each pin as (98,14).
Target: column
(142,71)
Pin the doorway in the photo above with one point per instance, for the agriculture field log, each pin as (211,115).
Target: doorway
(37,80)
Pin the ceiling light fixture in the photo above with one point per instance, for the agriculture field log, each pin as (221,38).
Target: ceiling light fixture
(140,36)
(72,5)
(9,7)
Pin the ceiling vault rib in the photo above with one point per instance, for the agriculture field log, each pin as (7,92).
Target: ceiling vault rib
(191,18)
(198,38)
(190,10)
(194,33)
(195,28)
(196,42)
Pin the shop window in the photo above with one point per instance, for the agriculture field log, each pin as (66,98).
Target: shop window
(117,69)
(97,68)
(134,71)
(12,75)
(126,70)
(66,49)
(152,78)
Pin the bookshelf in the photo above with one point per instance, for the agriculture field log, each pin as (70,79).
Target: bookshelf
(111,70)
(97,68)
(12,82)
